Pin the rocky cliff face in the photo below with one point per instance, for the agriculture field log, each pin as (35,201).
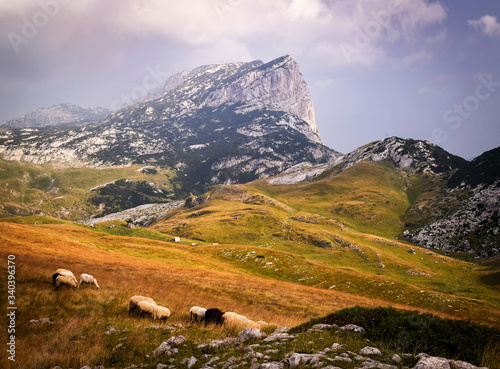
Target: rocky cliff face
(277,85)
(57,115)
(473,228)
(467,217)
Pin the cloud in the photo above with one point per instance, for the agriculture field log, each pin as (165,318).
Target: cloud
(417,59)
(487,24)
(433,92)
(94,27)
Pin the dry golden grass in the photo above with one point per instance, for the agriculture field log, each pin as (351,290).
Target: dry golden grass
(176,276)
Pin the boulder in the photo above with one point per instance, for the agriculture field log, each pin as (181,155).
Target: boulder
(370,351)
(250,334)
(303,359)
(431,362)
(353,328)
(169,347)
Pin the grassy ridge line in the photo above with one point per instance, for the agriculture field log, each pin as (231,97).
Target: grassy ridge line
(370,197)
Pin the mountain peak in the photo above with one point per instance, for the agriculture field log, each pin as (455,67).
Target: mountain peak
(414,155)
(276,85)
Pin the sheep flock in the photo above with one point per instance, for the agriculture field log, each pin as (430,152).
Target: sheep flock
(146,306)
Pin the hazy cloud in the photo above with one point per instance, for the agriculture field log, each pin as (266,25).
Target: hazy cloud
(417,59)
(487,24)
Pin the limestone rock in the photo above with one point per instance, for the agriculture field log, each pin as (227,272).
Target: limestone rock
(250,334)
(431,362)
(370,351)
(353,328)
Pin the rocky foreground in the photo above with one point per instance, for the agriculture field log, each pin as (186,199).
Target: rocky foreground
(255,349)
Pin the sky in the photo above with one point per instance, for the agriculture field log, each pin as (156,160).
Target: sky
(420,69)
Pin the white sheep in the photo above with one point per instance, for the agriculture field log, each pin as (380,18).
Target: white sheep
(192,311)
(134,300)
(160,313)
(237,321)
(197,314)
(61,279)
(64,277)
(146,307)
(241,321)
(89,279)
(67,273)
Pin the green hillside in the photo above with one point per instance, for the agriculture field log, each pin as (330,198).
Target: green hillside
(75,193)
(337,233)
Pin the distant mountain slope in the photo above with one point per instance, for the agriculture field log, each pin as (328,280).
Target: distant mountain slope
(57,115)
(414,155)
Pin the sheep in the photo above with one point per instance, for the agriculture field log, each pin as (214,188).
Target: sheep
(235,320)
(134,300)
(89,279)
(61,279)
(146,307)
(67,273)
(214,315)
(261,324)
(192,311)
(240,321)
(64,277)
(199,315)
(160,312)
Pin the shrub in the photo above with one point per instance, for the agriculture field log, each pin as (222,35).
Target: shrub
(411,331)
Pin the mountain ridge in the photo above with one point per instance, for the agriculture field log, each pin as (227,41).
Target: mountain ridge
(57,115)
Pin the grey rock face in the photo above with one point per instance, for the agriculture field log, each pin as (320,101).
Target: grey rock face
(478,215)
(277,85)
(413,155)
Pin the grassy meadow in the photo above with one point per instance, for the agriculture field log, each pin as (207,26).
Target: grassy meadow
(280,253)
(29,189)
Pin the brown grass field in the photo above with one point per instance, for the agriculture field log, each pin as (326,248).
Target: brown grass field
(176,276)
